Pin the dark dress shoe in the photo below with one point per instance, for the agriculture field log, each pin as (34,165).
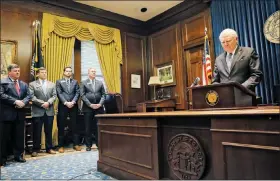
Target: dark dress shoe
(4,163)
(51,151)
(88,148)
(20,159)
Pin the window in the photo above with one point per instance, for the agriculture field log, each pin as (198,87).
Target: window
(89,59)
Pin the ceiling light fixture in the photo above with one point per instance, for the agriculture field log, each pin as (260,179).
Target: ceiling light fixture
(143,10)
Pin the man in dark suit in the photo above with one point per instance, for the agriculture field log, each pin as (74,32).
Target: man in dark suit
(14,95)
(236,64)
(93,96)
(68,92)
(43,95)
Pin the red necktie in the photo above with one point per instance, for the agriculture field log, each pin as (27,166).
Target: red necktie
(17,87)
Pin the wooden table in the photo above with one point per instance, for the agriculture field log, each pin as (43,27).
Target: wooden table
(157,105)
(220,144)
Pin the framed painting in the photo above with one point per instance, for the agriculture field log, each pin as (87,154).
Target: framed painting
(135,81)
(166,73)
(8,55)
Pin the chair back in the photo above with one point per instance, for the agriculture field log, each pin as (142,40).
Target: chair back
(113,103)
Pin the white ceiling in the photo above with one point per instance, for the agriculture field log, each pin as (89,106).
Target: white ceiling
(132,8)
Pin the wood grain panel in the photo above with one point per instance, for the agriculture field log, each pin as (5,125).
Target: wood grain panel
(239,123)
(137,138)
(180,12)
(193,33)
(166,47)
(16,24)
(194,63)
(251,162)
(249,152)
(134,50)
(112,138)
(194,29)
(248,145)
(199,128)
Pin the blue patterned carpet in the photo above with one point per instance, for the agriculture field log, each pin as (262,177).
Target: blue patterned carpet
(72,166)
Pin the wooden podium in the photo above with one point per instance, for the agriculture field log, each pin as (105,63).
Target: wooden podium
(224,95)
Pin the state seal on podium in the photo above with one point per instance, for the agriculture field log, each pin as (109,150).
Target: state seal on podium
(212,98)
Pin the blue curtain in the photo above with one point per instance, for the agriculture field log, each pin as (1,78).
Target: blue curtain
(247,18)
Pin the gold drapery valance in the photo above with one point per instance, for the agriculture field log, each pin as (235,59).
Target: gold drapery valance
(66,27)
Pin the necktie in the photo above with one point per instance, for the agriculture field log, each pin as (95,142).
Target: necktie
(44,86)
(229,60)
(17,87)
(68,84)
(93,85)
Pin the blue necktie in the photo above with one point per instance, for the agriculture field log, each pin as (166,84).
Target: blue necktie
(68,84)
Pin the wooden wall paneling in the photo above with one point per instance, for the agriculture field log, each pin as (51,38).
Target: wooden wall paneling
(16,24)
(193,33)
(193,67)
(178,13)
(134,50)
(166,47)
(193,29)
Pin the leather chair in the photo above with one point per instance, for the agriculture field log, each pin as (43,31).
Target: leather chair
(113,103)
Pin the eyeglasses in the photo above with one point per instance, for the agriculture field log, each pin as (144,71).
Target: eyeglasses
(228,41)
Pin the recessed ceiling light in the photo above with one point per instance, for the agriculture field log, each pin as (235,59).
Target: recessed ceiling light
(143,10)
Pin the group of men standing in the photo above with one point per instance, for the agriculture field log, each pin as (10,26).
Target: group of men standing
(15,95)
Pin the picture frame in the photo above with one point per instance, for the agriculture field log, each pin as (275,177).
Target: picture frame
(9,52)
(135,81)
(166,73)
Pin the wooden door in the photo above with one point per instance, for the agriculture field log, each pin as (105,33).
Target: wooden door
(194,67)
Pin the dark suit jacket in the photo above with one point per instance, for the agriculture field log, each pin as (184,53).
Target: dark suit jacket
(8,96)
(89,96)
(245,68)
(62,91)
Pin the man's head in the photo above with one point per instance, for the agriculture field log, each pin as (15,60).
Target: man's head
(91,73)
(229,40)
(67,72)
(13,71)
(42,73)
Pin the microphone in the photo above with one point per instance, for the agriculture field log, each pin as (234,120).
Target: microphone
(195,82)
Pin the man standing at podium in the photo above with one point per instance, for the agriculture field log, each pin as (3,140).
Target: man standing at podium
(236,64)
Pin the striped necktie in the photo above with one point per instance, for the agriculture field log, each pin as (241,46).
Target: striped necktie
(17,86)
(229,60)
